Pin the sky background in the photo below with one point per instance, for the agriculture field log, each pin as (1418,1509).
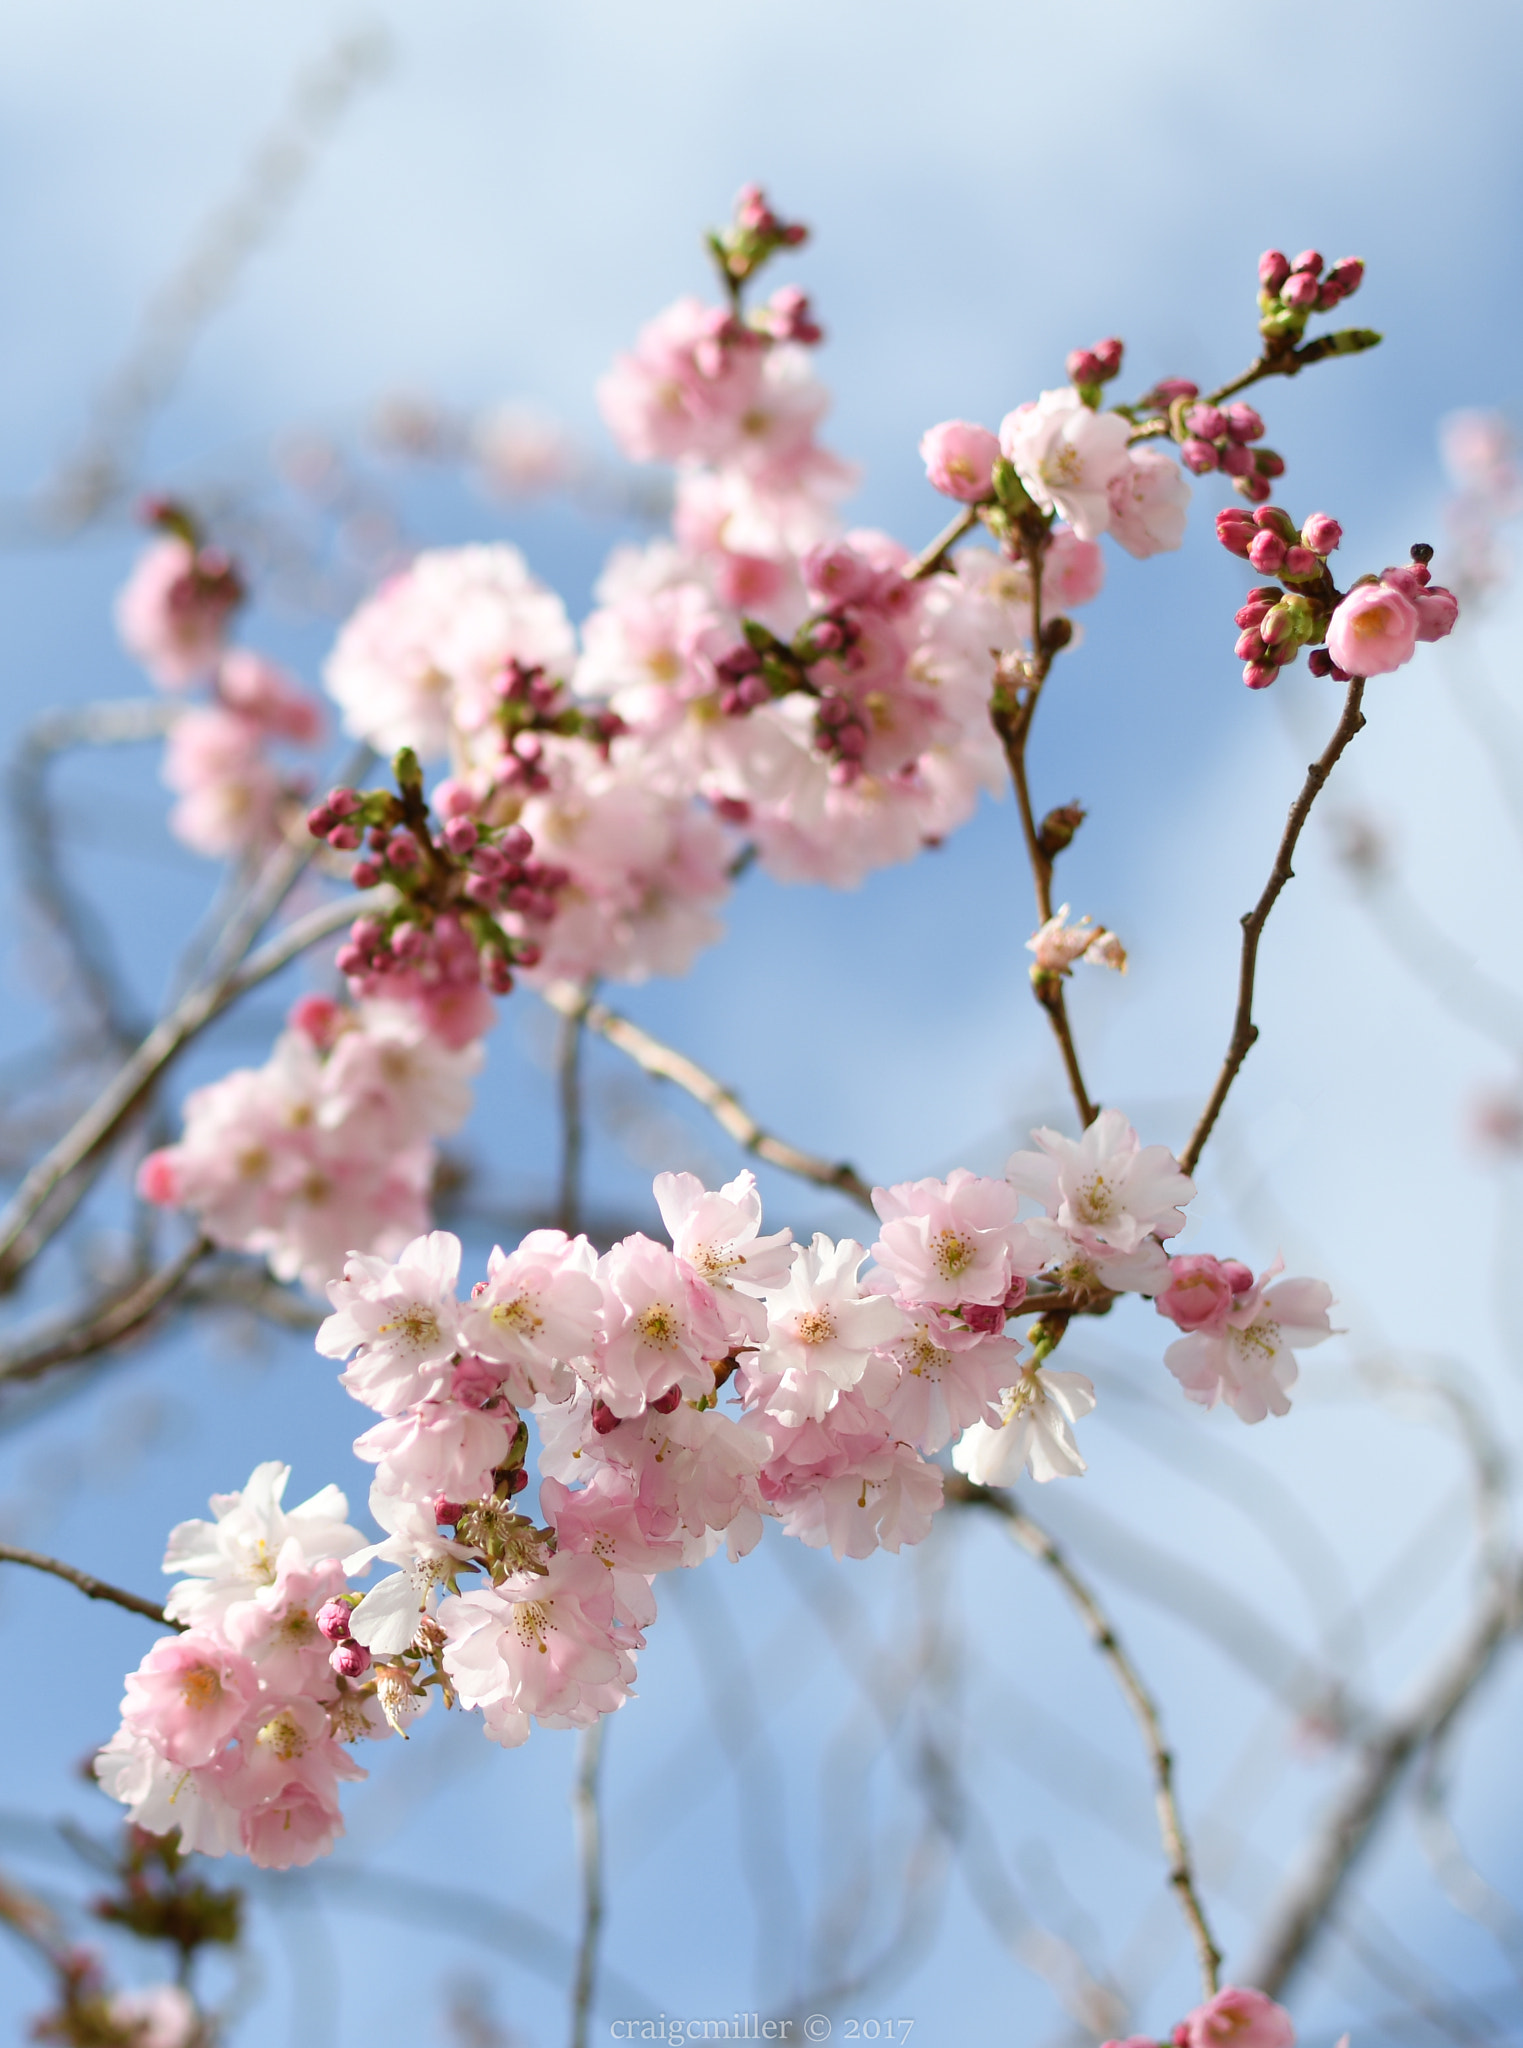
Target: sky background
(990,185)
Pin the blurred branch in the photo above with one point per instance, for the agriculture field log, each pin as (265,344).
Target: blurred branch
(91,1587)
(98,474)
(1035,1541)
(76,1337)
(665,1064)
(589,1845)
(1304,1909)
(568,1208)
(1244,1030)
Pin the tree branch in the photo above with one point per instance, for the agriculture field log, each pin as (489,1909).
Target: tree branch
(1244,1030)
(665,1064)
(930,559)
(1035,1541)
(589,1842)
(92,1588)
(75,1339)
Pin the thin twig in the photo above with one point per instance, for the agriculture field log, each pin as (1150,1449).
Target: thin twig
(91,1587)
(78,1338)
(1244,1030)
(931,558)
(589,1846)
(1308,1902)
(666,1064)
(1035,1541)
(568,1208)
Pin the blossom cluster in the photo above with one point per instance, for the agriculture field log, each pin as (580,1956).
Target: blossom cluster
(329,1143)
(682,1394)
(174,615)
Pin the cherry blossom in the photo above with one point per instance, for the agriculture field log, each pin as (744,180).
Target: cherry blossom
(821,1331)
(952,1241)
(1238,2018)
(1035,1432)
(719,1237)
(538,1307)
(1247,1356)
(1105,1187)
(662,1327)
(1067,456)
(229,1559)
(1149,503)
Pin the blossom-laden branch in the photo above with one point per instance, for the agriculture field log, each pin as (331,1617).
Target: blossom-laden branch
(664,1063)
(1307,1905)
(88,1584)
(1244,1031)
(1035,1541)
(122,1316)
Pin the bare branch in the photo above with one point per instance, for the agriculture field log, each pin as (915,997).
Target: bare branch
(81,1337)
(1308,1902)
(91,1587)
(569,1062)
(665,1064)
(1244,1030)
(1035,1541)
(932,558)
(589,1842)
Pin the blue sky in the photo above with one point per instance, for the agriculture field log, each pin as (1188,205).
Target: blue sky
(990,186)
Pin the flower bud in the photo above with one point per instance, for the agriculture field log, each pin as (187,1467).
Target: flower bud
(1347,274)
(333,1619)
(1300,562)
(320,821)
(1301,291)
(1236,460)
(1309,262)
(364,874)
(1249,646)
(1275,626)
(343,802)
(1198,456)
(1254,488)
(1167,389)
(604,1421)
(1235,530)
(402,850)
(349,1660)
(1206,420)
(1275,519)
(1266,463)
(1321,533)
(988,1318)
(343,838)
(1083,367)
(1108,354)
(669,1401)
(1254,609)
(1243,423)
(1259,675)
(1267,552)
(1274,268)
(517,843)
(1058,828)
(460,835)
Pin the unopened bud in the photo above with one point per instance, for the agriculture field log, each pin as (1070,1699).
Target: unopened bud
(1108,354)
(1198,456)
(1267,463)
(364,874)
(349,1660)
(669,1401)
(1243,423)
(1058,828)
(1347,274)
(1300,562)
(320,821)
(1267,552)
(1209,421)
(402,850)
(1236,460)
(333,1619)
(1167,389)
(1258,675)
(343,838)
(1301,291)
(604,1421)
(343,802)
(460,835)
(1235,530)
(1309,260)
(1274,268)
(1275,519)
(1254,488)
(1083,367)
(1056,634)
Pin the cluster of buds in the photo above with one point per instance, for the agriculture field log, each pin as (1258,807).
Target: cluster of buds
(208,588)
(754,234)
(347,1657)
(1275,623)
(1215,437)
(450,886)
(1291,290)
(530,705)
(1089,368)
(788,316)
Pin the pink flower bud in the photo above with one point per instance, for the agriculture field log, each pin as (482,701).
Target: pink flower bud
(344,838)
(364,874)
(1209,421)
(1108,354)
(343,802)
(1310,261)
(1299,562)
(1254,610)
(1267,463)
(1083,367)
(446,1512)
(1301,291)
(1235,530)
(1246,2019)
(367,933)
(1254,488)
(516,843)
(1321,533)
(604,1421)
(1275,519)
(988,1318)
(1258,675)
(1236,460)
(1249,645)
(527,954)
(1167,389)
(1347,274)
(350,960)
(1243,423)
(1198,456)
(1267,552)
(333,1619)
(158,1179)
(318,1018)
(733,809)
(1274,268)
(402,850)
(460,835)
(669,1401)
(320,821)
(1437,610)
(1199,1293)
(349,1660)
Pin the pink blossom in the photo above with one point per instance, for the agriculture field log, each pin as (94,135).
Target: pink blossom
(277,1628)
(1035,1432)
(1149,502)
(1057,944)
(438,1447)
(719,1236)
(400,1319)
(272,700)
(821,1330)
(1373,631)
(1078,1262)
(173,611)
(1105,1188)
(1200,1292)
(1239,2019)
(952,1241)
(188,1696)
(960,459)
(662,1327)
(542,1646)
(1073,570)
(682,393)
(1067,456)
(847,1481)
(1248,1360)
(229,1559)
(391,1071)
(949,1378)
(386,1620)
(537,1309)
(167,1798)
(287,1790)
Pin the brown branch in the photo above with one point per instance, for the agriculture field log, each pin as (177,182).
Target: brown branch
(589,1844)
(92,1588)
(1244,1030)
(666,1064)
(1304,1909)
(1035,1541)
(120,1317)
(931,558)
